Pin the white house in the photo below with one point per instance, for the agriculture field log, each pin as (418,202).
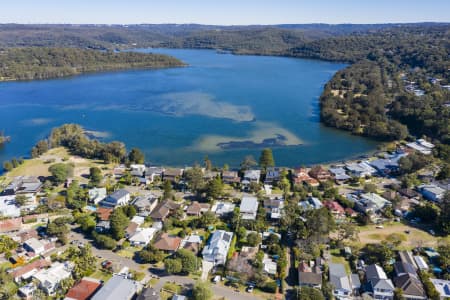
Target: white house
(217,248)
(137,170)
(269,266)
(50,278)
(223,208)
(118,198)
(249,208)
(9,207)
(97,194)
(311,203)
(34,245)
(142,236)
(361,169)
(380,286)
(421,146)
(251,176)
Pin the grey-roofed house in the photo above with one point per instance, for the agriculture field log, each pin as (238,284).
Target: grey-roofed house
(311,203)
(251,176)
(379,286)
(432,192)
(249,208)
(339,174)
(118,198)
(342,289)
(118,288)
(371,203)
(408,281)
(149,293)
(217,248)
(223,208)
(361,169)
(230,177)
(145,204)
(310,279)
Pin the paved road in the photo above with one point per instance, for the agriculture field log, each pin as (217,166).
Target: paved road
(120,262)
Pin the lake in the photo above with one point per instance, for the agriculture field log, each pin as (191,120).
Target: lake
(221,105)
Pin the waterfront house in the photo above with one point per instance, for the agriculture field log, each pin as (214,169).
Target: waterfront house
(379,286)
(118,287)
(301,176)
(421,146)
(251,176)
(217,248)
(230,177)
(173,174)
(362,169)
(339,174)
(97,195)
(249,208)
(137,170)
(272,175)
(319,173)
(116,199)
(153,172)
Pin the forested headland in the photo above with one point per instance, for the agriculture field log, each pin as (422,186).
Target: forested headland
(32,63)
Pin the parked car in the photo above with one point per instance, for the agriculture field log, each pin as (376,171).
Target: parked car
(250,289)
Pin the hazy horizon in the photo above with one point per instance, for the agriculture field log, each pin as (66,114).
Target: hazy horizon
(224,13)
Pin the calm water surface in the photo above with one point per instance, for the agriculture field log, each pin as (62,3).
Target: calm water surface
(177,116)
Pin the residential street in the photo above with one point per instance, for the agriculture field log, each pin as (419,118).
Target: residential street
(120,262)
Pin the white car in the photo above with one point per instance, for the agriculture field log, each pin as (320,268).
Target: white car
(250,289)
(379,227)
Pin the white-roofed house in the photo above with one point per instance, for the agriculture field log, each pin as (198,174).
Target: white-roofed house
(223,208)
(49,279)
(432,192)
(97,194)
(249,207)
(118,198)
(142,236)
(217,248)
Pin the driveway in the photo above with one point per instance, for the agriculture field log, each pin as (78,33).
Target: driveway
(206,268)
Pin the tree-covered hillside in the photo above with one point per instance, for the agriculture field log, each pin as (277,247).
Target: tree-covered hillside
(42,63)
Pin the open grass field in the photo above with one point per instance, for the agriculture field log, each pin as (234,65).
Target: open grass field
(39,166)
(416,237)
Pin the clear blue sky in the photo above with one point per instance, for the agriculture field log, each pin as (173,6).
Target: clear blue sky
(224,12)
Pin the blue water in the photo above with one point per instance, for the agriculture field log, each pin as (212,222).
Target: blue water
(177,116)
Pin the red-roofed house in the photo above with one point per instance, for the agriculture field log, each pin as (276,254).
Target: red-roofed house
(10,225)
(301,176)
(336,209)
(25,272)
(103,213)
(84,289)
(350,212)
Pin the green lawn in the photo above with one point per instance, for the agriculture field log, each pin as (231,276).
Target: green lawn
(101,275)
(341,260)
(173,287)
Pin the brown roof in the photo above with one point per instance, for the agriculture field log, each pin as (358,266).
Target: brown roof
(195,208)
(26,235)
(84,289)
(132,227)
(309,278)
(167,243)
(11,225)
(163,209)
(37,264)
(193,247)
(103,213)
